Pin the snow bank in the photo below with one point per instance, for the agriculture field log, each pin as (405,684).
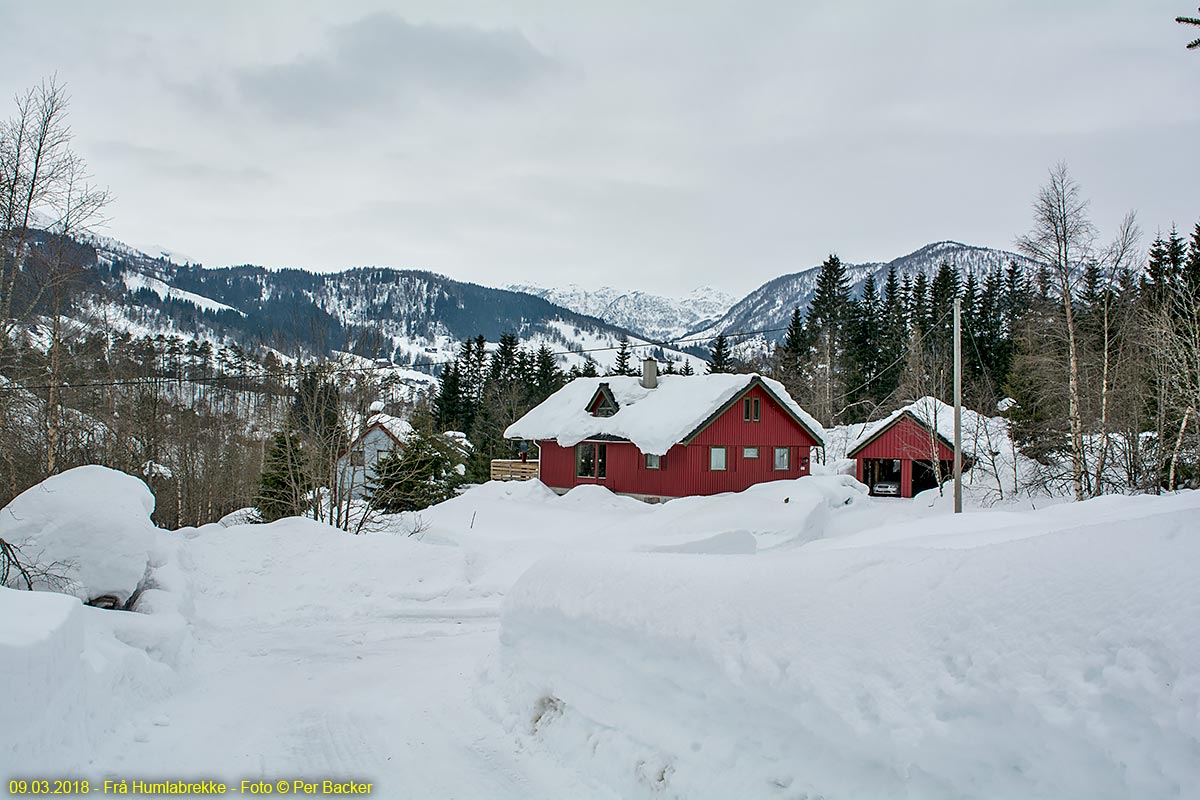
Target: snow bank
(41,668)
(91,525)
(74,675)
(1038,655)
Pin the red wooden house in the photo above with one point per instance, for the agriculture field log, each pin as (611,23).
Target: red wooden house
(658,437)
(909,451)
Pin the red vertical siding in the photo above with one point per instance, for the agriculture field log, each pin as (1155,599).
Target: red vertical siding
(908,441)
(686,469)
(904,439)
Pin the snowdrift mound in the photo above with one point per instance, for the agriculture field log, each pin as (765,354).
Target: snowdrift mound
(41,642)
(1016,657)
(90,525)
(777,513)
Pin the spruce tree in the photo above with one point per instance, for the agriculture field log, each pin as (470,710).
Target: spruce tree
(862,363)
(826,320)
(447,403)
(919,318)
(420,474)
(547,377)
(504,365)
(622,365)
(285,485)
(1192,268)
(831,297)
(720,359)
(792,349)
(686,369)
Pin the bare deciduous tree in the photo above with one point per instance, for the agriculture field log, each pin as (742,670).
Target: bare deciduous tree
(1062,240)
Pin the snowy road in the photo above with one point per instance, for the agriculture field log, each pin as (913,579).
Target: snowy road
(283,684)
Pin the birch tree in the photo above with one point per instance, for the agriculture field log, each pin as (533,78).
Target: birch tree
(1062,241)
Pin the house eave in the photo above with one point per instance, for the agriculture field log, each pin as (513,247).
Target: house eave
(906,413)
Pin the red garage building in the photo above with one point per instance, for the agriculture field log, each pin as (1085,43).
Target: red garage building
(908,452)
(658,437)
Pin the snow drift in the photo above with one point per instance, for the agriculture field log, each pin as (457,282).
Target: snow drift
(90,525)
(986,655)
(41,642)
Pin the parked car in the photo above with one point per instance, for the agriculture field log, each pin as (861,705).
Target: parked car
(886,489)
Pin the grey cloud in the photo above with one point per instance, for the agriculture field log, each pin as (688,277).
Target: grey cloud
(172,165)
(383,59)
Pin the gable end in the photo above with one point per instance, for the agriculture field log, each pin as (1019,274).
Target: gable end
(905,415)
(756,381)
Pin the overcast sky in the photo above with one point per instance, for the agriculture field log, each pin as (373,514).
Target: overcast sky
(610,143)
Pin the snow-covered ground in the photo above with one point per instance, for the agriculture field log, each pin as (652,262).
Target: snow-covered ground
(796,640)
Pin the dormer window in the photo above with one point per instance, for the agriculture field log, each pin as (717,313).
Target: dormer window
(603,403)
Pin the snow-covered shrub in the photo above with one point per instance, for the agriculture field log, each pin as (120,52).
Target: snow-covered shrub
(87,532)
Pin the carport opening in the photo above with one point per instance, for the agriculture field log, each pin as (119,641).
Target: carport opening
(878,470)
(925,476)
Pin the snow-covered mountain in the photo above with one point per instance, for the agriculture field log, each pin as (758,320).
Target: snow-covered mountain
(654,316)
(770,306)
(418,318)
(403,317)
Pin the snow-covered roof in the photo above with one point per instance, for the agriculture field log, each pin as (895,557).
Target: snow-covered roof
(398,428)
(653,419)
(929,411)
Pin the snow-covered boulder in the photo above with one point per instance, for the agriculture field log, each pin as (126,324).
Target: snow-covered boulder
(90,526)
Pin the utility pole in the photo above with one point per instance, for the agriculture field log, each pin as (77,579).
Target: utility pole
(957,406)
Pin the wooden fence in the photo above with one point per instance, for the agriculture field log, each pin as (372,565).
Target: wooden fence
(504,469)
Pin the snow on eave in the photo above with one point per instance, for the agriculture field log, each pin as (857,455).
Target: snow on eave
(398,430)
(941,424)
(653,419)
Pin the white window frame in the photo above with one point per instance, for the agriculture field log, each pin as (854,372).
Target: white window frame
(750,452)
(358,457)
(786,452)
(653,461)
(712,459)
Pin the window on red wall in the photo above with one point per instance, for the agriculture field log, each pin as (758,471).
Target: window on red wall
(751,409)
(655,462)
(782,458)
(591,460)
(718,460)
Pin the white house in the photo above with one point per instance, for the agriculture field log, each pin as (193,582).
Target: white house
(382,435)
(379,438)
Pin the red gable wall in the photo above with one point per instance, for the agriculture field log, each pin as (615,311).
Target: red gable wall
(687,470)
(904,438)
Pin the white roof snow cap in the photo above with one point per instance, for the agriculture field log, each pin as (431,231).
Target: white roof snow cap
(394,425)
(653,419)
(929,411)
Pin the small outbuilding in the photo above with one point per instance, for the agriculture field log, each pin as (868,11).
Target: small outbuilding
(910,451)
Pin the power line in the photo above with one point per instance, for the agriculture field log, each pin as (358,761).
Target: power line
(266,374)
(901,357)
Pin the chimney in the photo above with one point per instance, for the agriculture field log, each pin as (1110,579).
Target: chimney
(649,373)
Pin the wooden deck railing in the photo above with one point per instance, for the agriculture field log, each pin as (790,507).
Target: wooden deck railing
(505,469)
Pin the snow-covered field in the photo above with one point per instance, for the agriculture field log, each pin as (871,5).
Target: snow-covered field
(797,640)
